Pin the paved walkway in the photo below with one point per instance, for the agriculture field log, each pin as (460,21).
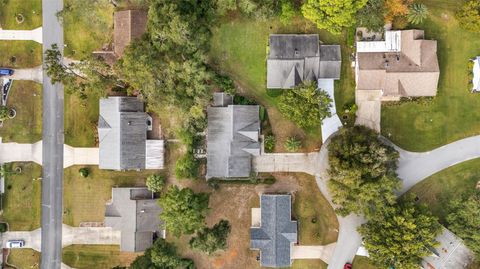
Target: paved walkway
(70,236)
(34,35)
(18,152)
(413,168)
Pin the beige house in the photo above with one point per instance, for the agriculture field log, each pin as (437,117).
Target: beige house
(402,65)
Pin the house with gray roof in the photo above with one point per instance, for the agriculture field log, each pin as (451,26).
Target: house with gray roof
(135,213)
(276,233)
(232,138)
(122,134)
(295,58)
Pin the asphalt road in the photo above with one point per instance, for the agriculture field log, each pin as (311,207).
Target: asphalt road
(53,137)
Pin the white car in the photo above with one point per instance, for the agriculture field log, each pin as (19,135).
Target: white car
(15,244)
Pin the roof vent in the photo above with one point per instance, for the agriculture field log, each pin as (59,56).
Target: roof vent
(129,123)
(296,52)
(398,58)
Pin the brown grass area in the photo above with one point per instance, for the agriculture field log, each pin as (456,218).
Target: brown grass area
(234,203)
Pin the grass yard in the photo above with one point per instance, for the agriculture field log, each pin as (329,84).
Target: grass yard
(26,258)
(362,263)
(454,113)
(81,117)
(21,201)
(31,10)
(437,190)
(26,98)
(20,54)
(234,203)
(87,26)
(96,256)
(239,49)
(84,198)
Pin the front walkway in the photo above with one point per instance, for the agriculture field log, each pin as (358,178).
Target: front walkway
(18,152)
(34,35)
(70,236)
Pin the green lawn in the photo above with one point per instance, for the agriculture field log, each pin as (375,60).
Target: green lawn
(20,54)
(84,198)
(26,98)
(30,9)
(239,48)
(437,190)
(24,258)
(87,26)
(21,201)
(81,117)
(93,256)
(317,222)
(454,113)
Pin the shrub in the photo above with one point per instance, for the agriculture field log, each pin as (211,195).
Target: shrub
(293,144)
(269,143)
(155,183)
(4,112)
(400,23)
(84,172)
(242,100)
(469,16)
(186,166)
(3,227)
(262,113)
(417,13)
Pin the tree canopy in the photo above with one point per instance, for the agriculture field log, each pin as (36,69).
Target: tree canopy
(162,255)
(305,105)
(469,16)
(400,235)
(464,220)
(372,15)
(183,210)
(332,15)
(396,8)
(417,13)
(362,171)
(212,239)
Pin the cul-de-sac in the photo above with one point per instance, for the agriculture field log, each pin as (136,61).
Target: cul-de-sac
(240,134)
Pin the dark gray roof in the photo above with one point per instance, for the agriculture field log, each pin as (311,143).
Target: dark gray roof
(122,134)
(222,99)
(277,233)
(295,58)
(135,213)
(232,139)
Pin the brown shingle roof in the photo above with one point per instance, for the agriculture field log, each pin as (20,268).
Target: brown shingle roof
(414,71)
(128,25)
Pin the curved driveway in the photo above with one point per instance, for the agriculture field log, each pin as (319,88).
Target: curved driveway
(412,168)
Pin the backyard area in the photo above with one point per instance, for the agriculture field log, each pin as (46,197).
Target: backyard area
(454,113)
(234,203)
(26,98)
(239,49)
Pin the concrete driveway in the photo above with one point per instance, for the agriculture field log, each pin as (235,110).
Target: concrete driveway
(70,236)
(323,253)
(34,35)
(32,74)
(18,152)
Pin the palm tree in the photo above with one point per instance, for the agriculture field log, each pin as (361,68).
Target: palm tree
(293,144)
(417,13)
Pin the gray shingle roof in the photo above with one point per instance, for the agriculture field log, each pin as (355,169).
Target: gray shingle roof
(122,132)
(295,58)
(277,233)
(135,213)
(232,139)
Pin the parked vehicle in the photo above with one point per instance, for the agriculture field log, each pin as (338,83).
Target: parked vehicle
(15,244)
(6,72)
(347,266)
